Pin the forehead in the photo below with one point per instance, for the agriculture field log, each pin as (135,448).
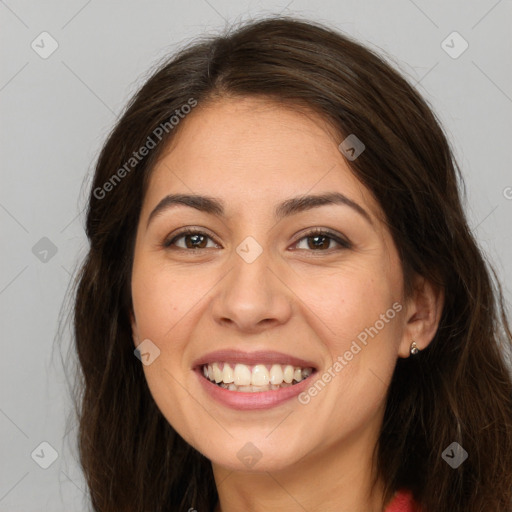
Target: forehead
(253,151)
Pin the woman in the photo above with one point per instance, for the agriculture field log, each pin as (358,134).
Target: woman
(276,232)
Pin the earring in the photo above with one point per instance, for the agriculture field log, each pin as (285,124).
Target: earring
(414,349)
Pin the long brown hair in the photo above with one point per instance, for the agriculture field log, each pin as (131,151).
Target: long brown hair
(459,389)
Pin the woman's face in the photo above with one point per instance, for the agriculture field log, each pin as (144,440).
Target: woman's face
(276,285)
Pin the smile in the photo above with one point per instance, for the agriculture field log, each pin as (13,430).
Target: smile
(254,378)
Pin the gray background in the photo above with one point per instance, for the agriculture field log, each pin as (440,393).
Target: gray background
(57,111)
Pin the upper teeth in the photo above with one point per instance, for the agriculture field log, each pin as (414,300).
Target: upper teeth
(257,375)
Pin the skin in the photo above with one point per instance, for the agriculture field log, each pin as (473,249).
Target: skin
(294,298)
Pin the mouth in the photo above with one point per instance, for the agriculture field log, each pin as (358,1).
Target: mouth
(248,381)
(254,378)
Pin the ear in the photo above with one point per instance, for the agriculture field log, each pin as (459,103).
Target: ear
(422,315)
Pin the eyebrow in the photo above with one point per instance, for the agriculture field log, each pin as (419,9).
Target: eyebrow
(214,206)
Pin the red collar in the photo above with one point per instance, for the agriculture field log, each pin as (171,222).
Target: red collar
(402,502)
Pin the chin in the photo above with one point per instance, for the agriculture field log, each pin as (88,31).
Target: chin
(254,462)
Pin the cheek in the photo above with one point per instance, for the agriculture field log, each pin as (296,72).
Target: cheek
(355,314)
(347,303)
(162,298)
(164,303)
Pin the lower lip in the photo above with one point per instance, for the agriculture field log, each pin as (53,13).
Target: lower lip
(249,401)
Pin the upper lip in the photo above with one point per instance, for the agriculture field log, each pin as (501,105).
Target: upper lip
(252,358)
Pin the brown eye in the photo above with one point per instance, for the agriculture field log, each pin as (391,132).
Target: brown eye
(321,241)
(192,239)
(195,241)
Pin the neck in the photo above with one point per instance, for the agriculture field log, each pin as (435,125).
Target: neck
(338,478)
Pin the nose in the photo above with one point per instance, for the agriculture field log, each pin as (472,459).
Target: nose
(252,298)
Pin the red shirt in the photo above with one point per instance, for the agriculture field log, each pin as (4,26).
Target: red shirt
(403,502)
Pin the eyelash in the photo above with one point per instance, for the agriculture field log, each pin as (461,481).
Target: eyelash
(344,244)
